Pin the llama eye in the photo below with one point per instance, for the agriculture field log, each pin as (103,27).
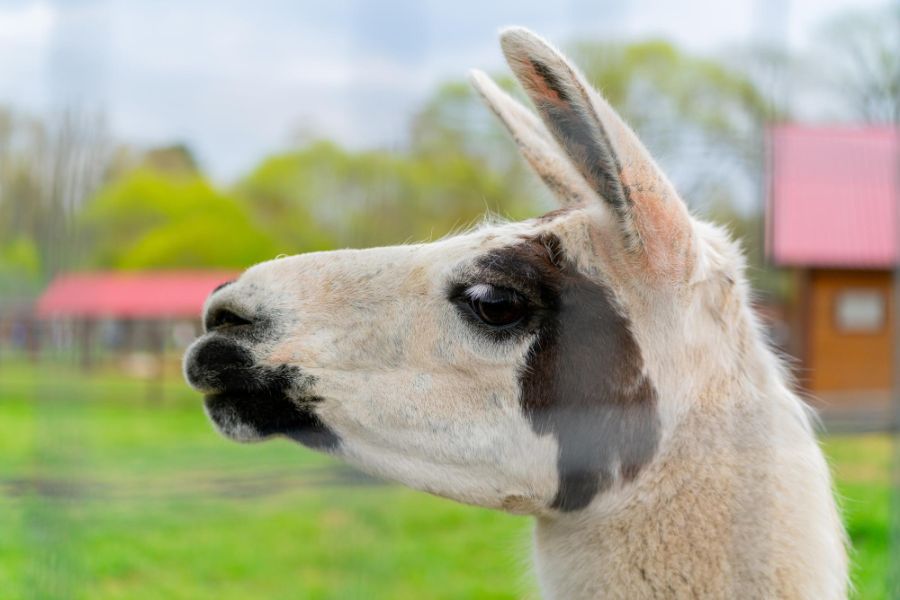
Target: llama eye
(496,306)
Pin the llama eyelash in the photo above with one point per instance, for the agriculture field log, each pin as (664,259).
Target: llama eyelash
(479,291)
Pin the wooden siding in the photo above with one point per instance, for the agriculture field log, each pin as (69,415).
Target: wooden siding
(837,360)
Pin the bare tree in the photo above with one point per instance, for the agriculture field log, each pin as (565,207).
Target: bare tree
(859,58)
(48,168)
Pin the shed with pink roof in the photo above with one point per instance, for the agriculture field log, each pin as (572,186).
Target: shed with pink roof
(832,217)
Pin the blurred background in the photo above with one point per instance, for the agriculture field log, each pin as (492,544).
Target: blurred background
(150,151)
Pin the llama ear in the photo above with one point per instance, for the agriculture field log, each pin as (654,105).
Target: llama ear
(604,150)
(534,141)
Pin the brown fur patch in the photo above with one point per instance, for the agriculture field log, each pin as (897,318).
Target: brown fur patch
(583,380)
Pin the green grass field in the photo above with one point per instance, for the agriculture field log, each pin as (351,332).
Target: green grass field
(106,494)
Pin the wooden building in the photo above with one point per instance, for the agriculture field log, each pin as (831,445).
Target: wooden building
(832,219)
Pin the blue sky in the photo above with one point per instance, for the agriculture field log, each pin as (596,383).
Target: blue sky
(236,80)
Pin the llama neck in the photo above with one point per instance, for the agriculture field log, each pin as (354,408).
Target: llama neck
(738,505)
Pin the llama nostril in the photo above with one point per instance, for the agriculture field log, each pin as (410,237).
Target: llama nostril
(221,318)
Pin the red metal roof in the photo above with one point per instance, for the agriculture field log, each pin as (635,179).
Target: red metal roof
(833,196)
(130,295)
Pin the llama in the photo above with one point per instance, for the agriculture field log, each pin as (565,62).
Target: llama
(598,368)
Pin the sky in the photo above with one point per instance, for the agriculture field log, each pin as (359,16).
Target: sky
(238,80)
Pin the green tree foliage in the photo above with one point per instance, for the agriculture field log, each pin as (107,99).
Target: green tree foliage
(653,82)
(149,219)
(47,169)
(156,210)
(20,267)
(454,120)
(324,196)
(176,159)
(701,119)
(704,121)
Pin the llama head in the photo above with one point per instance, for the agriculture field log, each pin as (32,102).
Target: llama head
(527,366)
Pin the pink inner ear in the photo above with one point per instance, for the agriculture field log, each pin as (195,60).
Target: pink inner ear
(660,219)
(538,84)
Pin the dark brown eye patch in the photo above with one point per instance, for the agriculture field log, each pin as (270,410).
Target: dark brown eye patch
(497,311)
(509,292)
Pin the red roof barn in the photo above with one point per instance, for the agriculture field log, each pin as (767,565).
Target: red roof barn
(125,311)
(833,217)
(127,295)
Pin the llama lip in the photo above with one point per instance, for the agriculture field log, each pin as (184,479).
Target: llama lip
(247,401)
(252,416)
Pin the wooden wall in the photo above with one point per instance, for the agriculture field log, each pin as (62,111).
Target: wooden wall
(837,360)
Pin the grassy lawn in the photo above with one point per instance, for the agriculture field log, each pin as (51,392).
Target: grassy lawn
(105,494)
